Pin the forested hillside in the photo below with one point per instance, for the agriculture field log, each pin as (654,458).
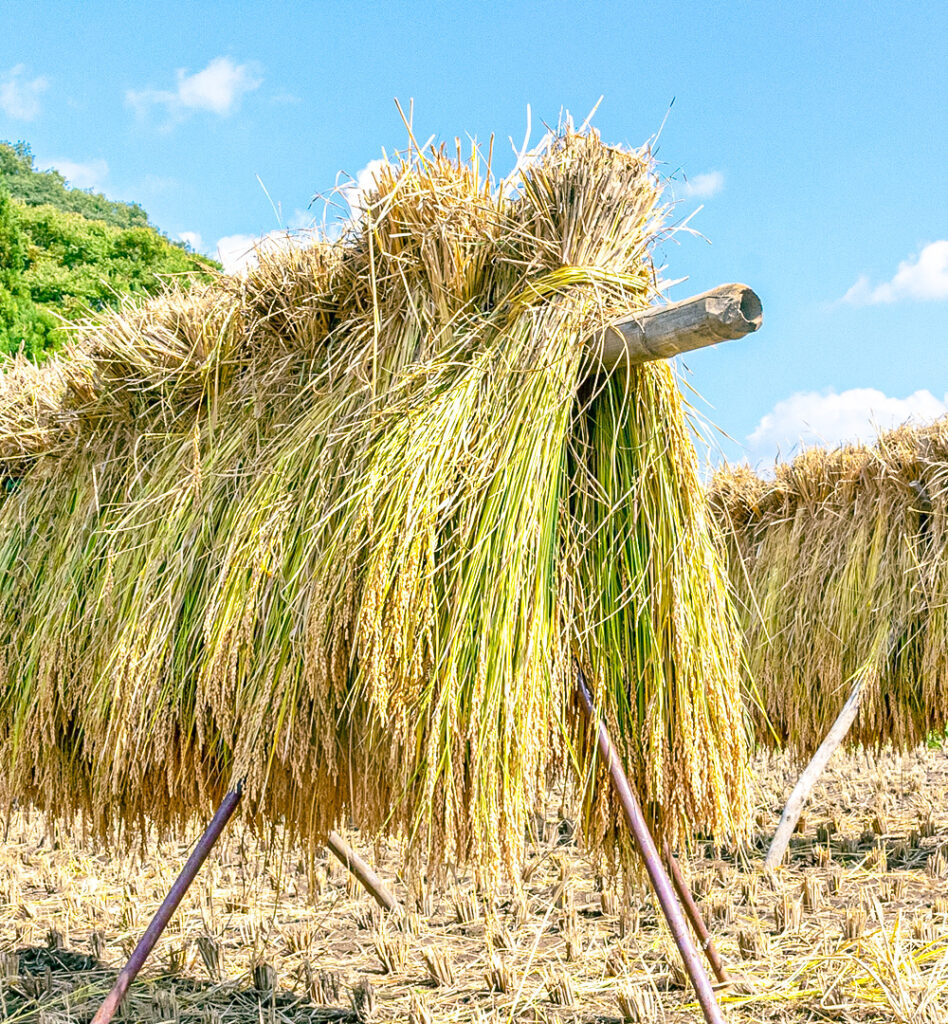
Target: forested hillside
(65,253)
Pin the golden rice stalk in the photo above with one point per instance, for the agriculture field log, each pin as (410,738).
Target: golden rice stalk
(344,528)
(841,569)
(34,418)
(498,977)
(638,1004)
(559,987)
(391,950)
(439,965)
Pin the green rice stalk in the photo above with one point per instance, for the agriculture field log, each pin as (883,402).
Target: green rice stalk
(344,529)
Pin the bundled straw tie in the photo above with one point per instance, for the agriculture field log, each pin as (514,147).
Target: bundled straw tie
(343,528)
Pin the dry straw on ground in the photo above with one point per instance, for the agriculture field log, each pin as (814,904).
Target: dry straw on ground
(342,527)
(841,564)
(833,936)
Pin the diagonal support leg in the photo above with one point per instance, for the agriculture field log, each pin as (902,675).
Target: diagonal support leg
(653,862)
(694,916)
(158,923)
(809,778)
(363,873)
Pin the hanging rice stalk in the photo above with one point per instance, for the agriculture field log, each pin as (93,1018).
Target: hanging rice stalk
(842,569)
(344,528)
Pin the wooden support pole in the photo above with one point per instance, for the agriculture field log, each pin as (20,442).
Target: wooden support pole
(694,916)
(661,883)
(803,788)
(725,313)
(361,870)
(158,923)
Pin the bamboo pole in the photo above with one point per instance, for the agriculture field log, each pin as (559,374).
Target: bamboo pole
(158,923)
(661,883)
(812,772)
(694,916)
(724,313)
(361,870)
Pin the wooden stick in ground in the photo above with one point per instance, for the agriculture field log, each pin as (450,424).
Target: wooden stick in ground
(661,883)
(694,916)
(803,788)
(153,932)
(725,313)
(360,870)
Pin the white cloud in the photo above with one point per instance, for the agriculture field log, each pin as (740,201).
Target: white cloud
(19,95)
(191,238)
(354,191)
(237,253)
(91,174)
(828,418)
(300,220)
(923,277)
(703,186)
(217,89)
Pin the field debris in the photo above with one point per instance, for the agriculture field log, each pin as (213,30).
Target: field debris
(835,934)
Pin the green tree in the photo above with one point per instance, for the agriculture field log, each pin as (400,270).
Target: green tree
(11,245)
(16,312)
(19,176)
(65,253)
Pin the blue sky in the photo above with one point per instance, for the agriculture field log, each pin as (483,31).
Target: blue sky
(814,136)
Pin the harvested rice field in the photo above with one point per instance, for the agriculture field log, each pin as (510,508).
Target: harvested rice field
(853,928)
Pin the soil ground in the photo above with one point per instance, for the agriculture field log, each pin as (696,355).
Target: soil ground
(853,928)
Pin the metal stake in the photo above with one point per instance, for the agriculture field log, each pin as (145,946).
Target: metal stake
(153,932)
(661,883)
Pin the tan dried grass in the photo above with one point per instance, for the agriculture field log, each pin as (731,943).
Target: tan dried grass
(256,896)
(841,565)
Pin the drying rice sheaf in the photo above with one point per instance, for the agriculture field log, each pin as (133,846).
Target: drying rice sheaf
(343,527)
(841,561)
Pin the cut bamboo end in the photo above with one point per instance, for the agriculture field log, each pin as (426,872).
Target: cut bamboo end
(725,313)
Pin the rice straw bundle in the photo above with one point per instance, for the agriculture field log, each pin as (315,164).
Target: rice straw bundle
(842,565)
(344,528)
(33,417)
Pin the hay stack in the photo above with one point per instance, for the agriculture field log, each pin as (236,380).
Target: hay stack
(841,562)
(342,528)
